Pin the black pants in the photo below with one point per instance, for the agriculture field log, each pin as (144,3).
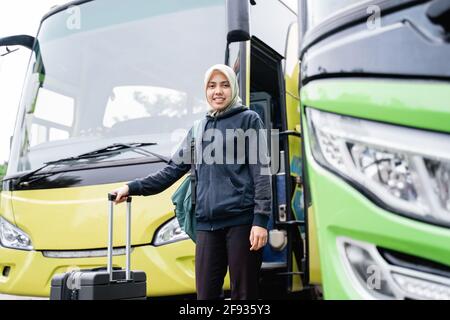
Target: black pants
(215,250)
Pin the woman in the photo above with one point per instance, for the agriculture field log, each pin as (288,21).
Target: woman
(233,197)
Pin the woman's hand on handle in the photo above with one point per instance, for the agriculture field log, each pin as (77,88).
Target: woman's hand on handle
(121,194)
(258,238)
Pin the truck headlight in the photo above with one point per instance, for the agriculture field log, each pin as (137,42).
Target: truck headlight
(406,170)
(170,232)
(12,237)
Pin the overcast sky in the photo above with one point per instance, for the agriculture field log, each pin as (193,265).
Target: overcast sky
(20,17)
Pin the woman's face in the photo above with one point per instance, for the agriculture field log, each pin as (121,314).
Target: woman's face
(218,91)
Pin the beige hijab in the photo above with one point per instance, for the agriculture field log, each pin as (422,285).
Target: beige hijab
(231,76)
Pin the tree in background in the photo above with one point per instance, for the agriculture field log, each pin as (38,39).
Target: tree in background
(3,171)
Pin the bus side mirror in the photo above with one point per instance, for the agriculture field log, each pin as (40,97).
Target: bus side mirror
(35,78)
(26,41)
(23,40)
(20,40)
(238,17)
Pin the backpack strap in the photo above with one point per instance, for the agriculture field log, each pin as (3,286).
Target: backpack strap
(197,133)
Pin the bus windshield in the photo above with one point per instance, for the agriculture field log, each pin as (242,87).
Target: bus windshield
(318,11)
(111,71)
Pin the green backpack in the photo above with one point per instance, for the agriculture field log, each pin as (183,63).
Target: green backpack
(183,198)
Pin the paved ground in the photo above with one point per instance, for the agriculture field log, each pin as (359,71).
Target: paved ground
(6,297)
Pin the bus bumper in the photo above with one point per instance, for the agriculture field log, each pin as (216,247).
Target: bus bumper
(169,271)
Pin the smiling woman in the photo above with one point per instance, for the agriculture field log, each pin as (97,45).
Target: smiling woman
(218,91)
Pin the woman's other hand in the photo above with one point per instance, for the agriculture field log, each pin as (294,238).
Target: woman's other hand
(121,194)
(258,238)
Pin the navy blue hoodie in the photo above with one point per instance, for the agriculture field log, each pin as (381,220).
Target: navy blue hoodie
(227,194)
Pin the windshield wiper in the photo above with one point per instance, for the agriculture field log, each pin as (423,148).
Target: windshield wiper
(105,151)
(114,149)
(136,147)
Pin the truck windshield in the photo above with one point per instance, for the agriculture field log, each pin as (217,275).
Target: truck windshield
(111,71)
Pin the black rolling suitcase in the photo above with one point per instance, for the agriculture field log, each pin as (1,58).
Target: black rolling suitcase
(101,283)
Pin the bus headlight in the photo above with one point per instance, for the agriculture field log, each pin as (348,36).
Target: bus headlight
(12,237)
(170,232)
(364,267)
(375,277)
(407,170)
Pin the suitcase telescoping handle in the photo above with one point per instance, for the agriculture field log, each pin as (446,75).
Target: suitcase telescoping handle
(111,198)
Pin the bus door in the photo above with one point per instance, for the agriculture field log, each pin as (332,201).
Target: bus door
(282,257)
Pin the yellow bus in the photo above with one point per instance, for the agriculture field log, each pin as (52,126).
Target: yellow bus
(111,88)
